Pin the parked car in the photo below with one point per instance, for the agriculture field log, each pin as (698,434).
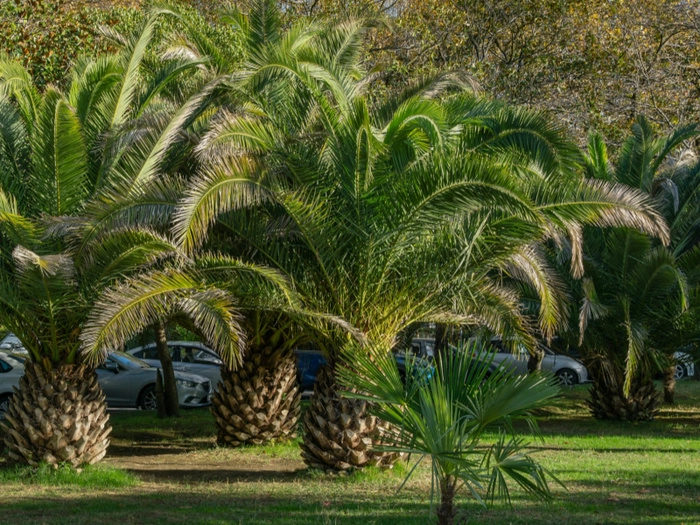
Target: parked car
(568,370)
(310,361)
(188,356)
(126,381)
(685,367)
(308,364)
(11,370)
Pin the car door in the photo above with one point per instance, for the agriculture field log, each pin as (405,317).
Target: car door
(9,377)
(116,383)
(549,362)
(203,362)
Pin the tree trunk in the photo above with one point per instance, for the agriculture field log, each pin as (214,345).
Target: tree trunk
(260,401)
(340,433)
(172,403)
(534,362)
(446,511)
(57,416)
(440,341)
(670,385)
(160,396)
(609,402)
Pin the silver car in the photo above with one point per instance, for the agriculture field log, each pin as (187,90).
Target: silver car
(11,369)
(188,356)
(568,370)
(126,381)
(685,367)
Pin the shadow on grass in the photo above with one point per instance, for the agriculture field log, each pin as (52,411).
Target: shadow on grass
(177,475)
(117,449)
(208,508)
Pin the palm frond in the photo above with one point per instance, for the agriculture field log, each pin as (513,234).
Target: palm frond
(59,158)
(128,308)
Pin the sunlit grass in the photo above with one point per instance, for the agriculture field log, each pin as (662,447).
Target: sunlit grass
(95,477)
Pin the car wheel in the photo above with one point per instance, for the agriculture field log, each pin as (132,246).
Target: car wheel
(567,377)
(4,405)
(147,398)
(680,372)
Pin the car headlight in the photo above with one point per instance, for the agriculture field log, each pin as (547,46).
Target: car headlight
(185,382)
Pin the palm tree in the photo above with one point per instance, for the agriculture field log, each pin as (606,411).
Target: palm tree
(259,401)
(80,173)
(262,81)
(635,295)
(442,417)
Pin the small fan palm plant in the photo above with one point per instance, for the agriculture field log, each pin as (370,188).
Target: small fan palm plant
(441,417)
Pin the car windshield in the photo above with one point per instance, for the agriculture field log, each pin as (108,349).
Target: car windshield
(128,361)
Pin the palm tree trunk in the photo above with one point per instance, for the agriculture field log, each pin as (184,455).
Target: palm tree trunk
(172,403)
(260,401)
(534,362)
(340,433)
(609,402)
(446,512)
(670,385)
(440,341)
(59,416)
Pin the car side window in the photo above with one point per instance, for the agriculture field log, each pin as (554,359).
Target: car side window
(149,353)
(179,354)
(206,358)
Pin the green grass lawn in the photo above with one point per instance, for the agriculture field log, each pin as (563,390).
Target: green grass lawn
(172,472)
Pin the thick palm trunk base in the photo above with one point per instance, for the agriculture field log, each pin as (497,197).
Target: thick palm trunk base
(608,402)
(260,401)
(339,433)
(57,417)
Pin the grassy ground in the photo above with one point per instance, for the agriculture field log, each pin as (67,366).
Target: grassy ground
(172,472)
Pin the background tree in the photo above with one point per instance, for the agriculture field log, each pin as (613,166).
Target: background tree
(595,65)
